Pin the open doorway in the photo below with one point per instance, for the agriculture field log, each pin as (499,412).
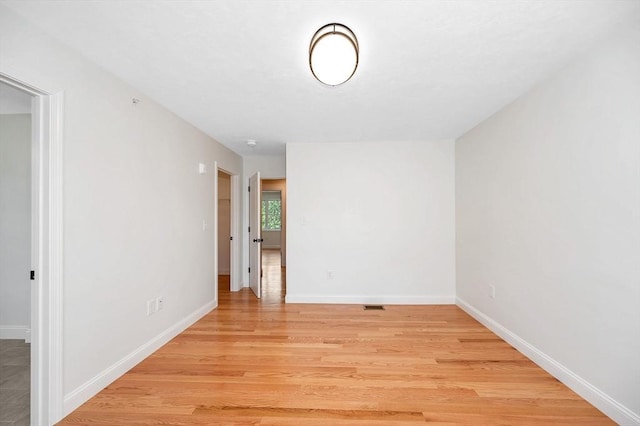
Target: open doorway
(15,253)
(274,245)
(44,269)
(225,238)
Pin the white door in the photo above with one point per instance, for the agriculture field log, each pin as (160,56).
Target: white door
(255,238)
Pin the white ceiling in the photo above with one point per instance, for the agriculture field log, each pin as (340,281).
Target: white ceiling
(238,70)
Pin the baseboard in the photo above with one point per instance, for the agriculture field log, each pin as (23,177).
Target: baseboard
(18,332)
(80,395)
(609,406)
(378,300)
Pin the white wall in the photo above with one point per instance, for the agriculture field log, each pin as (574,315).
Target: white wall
(269,166)
(15,224)
(380,216)
(134,204)
(271,239)
(14,101)
(548,212)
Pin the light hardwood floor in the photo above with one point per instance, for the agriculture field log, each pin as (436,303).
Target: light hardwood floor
(254,362)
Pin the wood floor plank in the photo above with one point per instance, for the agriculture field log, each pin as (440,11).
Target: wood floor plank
(263,362)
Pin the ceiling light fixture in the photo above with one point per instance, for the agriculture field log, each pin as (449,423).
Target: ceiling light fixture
(251,143)
(333,54)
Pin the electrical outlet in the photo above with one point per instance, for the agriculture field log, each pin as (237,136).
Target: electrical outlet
(159,303)
(492,291)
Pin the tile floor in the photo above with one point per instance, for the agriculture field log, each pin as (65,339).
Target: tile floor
(14,382)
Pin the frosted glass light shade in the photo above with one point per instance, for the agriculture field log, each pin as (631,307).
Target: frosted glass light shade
(333,54)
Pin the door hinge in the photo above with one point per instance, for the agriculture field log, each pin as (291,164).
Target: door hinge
(230,238)
(32,275)
(249,229)
(249,188)
(249,270)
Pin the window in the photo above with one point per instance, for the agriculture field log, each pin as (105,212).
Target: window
(271,211)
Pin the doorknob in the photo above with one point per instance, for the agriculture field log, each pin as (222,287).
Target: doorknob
(258,240)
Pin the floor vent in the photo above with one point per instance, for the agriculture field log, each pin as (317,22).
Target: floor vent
(373,308)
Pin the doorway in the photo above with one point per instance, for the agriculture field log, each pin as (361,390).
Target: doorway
(15,253)
(273,205)
(225,238)
(45,258)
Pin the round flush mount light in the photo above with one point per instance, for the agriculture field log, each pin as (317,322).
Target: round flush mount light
(333,54)
(251,143)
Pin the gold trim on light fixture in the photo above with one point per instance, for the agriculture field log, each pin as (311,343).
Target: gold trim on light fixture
(334,63)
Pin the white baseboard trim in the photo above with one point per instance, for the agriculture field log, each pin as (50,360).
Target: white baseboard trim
(612,408)
(378,300)
(83,393)
(14,332)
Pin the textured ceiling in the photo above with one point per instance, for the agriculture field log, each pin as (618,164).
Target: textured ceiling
(238,70)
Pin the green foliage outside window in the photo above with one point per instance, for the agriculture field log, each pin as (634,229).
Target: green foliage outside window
(271,215)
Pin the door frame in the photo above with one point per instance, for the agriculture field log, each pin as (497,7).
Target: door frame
(46,252)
